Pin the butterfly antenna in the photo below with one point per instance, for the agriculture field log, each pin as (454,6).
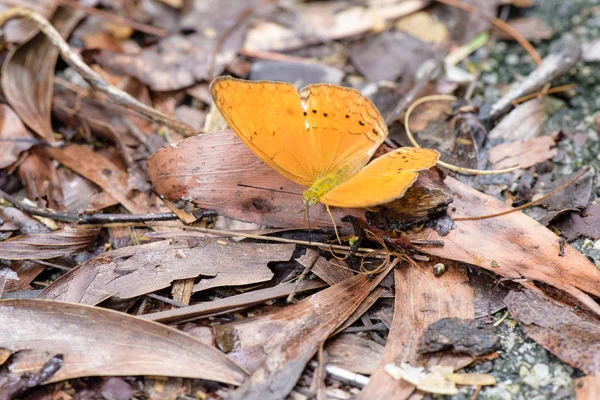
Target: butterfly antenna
(334,225)
(308,223)
(269,190)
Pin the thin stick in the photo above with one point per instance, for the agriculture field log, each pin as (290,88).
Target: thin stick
(531,203)
(75,61)
(115,19)
(323,246)
(84,218)
(556,89)
(451,167)
(499,24)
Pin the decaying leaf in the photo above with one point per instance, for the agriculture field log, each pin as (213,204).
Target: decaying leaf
(524,153)
(277,346)
(28,75)
(14,137)
(133,271)
(570,336)
(100,342)
(586,223)
(418,290)
(44,246)
(20,30)
(525,122)
(354,353)
(517,246)
(472,336)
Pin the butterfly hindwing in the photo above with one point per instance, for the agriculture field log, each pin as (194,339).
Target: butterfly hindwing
(383,180)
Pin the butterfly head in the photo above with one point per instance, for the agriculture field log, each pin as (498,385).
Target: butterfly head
(310,197)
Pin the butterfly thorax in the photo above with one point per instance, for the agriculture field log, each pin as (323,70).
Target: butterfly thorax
(330,180)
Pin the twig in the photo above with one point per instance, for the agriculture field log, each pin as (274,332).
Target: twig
(499,24)
(553,66)
(75,61)
(99,218)
(531,203)
(151,30)
(451,167)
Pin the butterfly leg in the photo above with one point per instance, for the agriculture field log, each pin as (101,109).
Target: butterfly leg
(334,225)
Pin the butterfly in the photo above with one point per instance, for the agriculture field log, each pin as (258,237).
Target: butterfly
(321,137)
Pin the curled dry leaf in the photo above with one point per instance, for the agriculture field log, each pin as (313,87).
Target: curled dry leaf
(14,137)
(133,271)
(102,342)
(573,338)
(28,75)
(44,246)
(516,246)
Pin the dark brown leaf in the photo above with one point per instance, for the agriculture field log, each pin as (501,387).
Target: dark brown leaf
(571,337)
(44,246)
(470,336)
(28,75)
(390,55)
(14,137)
(40,177)
(97,341)
(585,224)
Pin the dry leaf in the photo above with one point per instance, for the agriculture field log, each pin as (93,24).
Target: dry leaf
(525,122)
(44,246)
(278,346)
(28,75)
(524,153)
(14,137)
(418,290)
(20,30)
(424,26)
(571,337)
(133,271)
(516,246)
(102,342)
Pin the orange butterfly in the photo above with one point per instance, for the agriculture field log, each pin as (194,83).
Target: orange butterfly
(321,137)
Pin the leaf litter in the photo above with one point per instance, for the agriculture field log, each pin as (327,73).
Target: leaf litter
(78,150)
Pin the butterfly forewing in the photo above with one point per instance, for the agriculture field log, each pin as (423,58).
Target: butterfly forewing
(267,116)
(385,179)
(342,124)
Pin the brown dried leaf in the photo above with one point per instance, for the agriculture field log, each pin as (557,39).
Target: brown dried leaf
(418,290)
(525,122)
(587,388)
(102,342)
(390,55)
(231,303)
(14,137)
(179,61)
(133,271)
(585,224)
(531,28)
(105,174)
(525,153)
(278,346)
(354,353)
(44,246)
(569,336)
(40,177)
(28,75)
(516,246)
(323,21)
(207,169)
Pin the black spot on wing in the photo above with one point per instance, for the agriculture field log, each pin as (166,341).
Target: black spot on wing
(361,123)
